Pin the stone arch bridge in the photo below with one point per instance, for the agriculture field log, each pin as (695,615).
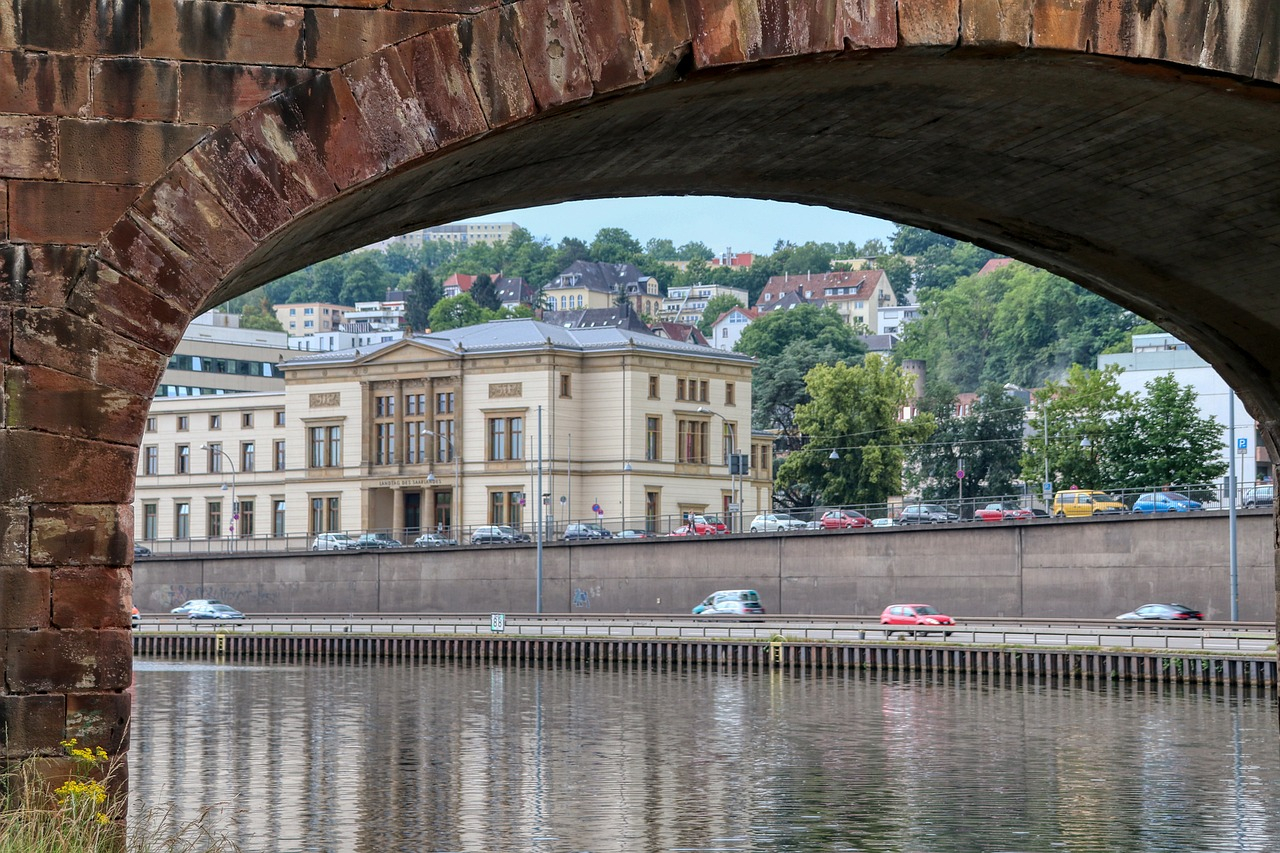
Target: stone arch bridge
(160,156)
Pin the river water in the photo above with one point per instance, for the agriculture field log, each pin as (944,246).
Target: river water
(444,757)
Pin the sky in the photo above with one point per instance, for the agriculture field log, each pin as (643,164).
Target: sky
(743,225)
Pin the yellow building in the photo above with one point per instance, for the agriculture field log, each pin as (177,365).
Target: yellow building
(588,285)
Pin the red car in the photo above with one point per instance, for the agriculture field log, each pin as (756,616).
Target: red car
(705,525)
(1003,512)
(686,530)
(915,614)
(838,519)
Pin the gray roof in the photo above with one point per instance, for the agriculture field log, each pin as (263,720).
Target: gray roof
(599,276)
(523,334)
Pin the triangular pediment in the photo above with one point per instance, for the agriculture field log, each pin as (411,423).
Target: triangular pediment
(409,350)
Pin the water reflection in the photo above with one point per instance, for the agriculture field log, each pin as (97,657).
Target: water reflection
(473,758)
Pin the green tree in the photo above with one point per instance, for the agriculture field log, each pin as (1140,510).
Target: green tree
(423,294)
(258,315)
(986,444)
(853,416)
(910,241)
(484,293)
(778,388)
(454,312)
(797,260)
(1163,441)
(771,334)
(1064,415)
(695,250)
(615,246)
(716,306)
(661,250)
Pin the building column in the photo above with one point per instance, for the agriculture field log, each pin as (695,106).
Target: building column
(397,513)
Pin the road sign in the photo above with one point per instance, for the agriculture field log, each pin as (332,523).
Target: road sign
(596,509)
(1242,444)
(734,507)
(498,623)
(960,474)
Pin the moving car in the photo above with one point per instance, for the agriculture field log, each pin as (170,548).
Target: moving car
(838,519)
(332,542)
(919,615)
(772,521)
(374,541)
(433,540)
(1003,512)
(1259,496)
(214,611)
(135,618)
(141,550)
(586,531)
(497,534)
(1073,503)
(737,602)
(1164,502)
(195,603)
(926,514)
(1163,612)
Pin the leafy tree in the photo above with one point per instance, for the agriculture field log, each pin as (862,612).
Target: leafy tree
(854,411)
(1065,414)
(484,293)
(907,240)
(771,334)
(810,257)
(423,294)
(1163,441)
(898,269)
(941,265)
(364,279)
(716,306)
(661,250)
(986,444)
(399,259)
(695,250)
(454,312)
(778,388)
(258,315)
(615,246)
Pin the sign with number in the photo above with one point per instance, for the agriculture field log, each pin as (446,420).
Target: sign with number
(498,623)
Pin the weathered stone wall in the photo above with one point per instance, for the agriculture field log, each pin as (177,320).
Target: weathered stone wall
(159,156)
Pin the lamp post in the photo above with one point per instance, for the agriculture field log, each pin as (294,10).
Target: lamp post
(730,450)
(235,510)
(455,510)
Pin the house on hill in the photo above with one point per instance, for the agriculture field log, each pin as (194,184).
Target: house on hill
(591,284)
(857,295)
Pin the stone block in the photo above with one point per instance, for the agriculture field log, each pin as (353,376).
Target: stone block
(231,173)
(338,36)
(131,88)
(434,63)
(328,111)
(797,29)
(391,120)
(608,43)
(121,152)
(44,399)
(993,24)
(1064,24)
(6,342)
(492,57)
(8,28)
(121,305)
(277,138)
(81,535)
(662,34)
(50,272)
(864,24)
(80,26)
(28,147)
(64,341)
(31,723)
(14,524)
(455,7)
(929,23)
(26,597)
(77,214)
(90,597)
(212,31)
(100,719)
(43,84)
(86,471)
(553,56)
(145,252)
(4,210)
(214,93)
(50,660)
(725,32)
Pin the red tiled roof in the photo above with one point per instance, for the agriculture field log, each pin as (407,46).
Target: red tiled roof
(864,283)
(993,265)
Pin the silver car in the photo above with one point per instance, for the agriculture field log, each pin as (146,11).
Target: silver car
(772,521)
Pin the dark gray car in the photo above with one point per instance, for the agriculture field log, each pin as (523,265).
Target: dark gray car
(926,514)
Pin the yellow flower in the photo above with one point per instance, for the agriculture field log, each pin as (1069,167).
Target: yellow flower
(102,817)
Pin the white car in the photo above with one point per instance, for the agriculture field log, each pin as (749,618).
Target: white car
(194,604)
(776,521)
(332,542)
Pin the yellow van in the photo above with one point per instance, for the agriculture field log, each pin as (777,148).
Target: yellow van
(1077,502)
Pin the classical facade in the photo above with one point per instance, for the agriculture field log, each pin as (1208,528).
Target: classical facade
(448,431)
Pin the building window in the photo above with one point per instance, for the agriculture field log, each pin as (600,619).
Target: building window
(415,448)
(214,464)
(246,419)
(184,423)
(651,511)
(704,391)
(246,455)
(385,449)
(150,516)
(277,517)
(333,508)
(729,394)
(564,385)
(280,418)
(652,438)
(506,439)
(151,459)
(384,407)
(215,421)
(653,387)
(693,442)
(182,520)
(326,447)
(183,465)
(680,390)
(444,403)
(415,404)
(730,440)
(246,517)
(151,424)
(506,507)
(444,441)
(215,520)
(279,455)
(497,507)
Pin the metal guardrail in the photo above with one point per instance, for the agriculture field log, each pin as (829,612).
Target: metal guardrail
(1216,637)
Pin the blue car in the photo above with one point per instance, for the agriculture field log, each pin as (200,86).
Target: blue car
(214,611)
(1164,502)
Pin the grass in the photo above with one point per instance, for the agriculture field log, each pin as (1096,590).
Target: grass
(84,813)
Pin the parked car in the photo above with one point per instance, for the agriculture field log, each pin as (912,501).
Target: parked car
(1073,503)
(1164,502)
(1163,612)
(1003,511)
(374,542)
(635,534)
(769,522)
(837,519)
(683,530)
(433,540)
(141,550)
(195,603)
(332,542)
(586,531)
(135,618)
(1259,496)
(496,534)
(884,522)
(920,615)
(739,602)
(711,523)
(926,514)
(215,611)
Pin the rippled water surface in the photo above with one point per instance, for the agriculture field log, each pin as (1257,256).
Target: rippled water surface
(479,758)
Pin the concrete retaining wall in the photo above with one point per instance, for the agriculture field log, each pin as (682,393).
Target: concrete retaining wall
(1082,568)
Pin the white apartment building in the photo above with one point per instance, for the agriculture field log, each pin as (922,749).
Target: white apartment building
(215,356)
(686,304)
(727,330)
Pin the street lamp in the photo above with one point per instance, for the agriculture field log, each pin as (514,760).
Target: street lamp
(731,461)
(235,509)
(455,511)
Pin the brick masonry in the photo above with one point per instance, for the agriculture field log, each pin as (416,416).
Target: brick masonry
(158,156)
